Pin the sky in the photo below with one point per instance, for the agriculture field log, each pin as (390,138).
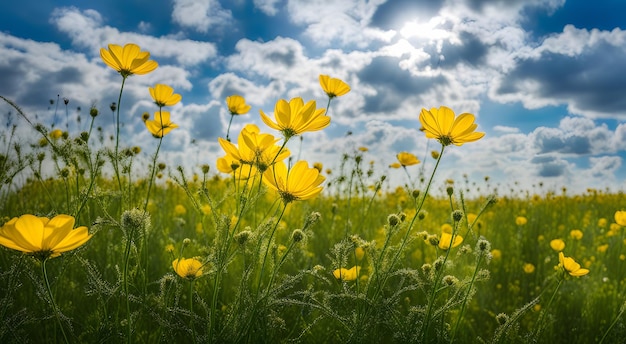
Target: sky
(546,80)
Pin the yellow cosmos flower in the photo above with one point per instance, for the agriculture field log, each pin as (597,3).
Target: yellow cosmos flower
(56,134)
(407,159)
(445,242)
(576,234)
(347,274)
(570,266)
(161,124)
(254,148)
(557,244)
(521,220)
(163,95)
(229,165)
(180,210)
(42,237)
(620,218)
(128,60)
(237,105)
(442,125)
(529,268)
(301,182)
(190,268)
(295,117)
(333,87)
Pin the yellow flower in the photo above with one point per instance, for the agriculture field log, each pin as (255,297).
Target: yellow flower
(576,234)
(163,95)
(359,252)
(442,125)
(254,148)
(347,274)
(295,117)
(446,240)
(161,124)
(529,268)
(395,165)
(557,244)
(603,248)
(602,222)
(179,210)
(620,218)
(169,248)
(521,220)
(188,268)
(407,159)
(128,60)
(363,149)
(42,237)
(237,105)
(570,266)
(56,134)
(496,254)
(318,166)
(333,87)
(299,183)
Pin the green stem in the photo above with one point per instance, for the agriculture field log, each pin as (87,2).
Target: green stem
(191,324)
(117,135)
(469,290)
(545,310)
(619,315)
(433,292)
(51,296)
(125,277)
(267,249)
(228,129)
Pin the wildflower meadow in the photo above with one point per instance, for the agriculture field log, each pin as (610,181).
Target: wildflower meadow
(265,246)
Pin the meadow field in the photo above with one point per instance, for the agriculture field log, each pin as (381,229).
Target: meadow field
(259,248)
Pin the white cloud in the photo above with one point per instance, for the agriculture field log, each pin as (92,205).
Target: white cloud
(329,21)
(86,30)
(200,15)
(268,7)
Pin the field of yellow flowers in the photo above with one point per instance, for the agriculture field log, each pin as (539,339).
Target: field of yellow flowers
(272,250)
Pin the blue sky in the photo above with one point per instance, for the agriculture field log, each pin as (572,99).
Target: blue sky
(545,78)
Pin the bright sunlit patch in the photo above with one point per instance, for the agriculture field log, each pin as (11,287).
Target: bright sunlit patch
(430,31)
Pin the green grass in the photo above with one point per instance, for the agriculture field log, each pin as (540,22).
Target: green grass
(120,286)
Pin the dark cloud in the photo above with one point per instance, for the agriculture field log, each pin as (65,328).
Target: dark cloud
(393,14)
(549,166)
(590,81)
(549,140)
(472,51)
(394,85)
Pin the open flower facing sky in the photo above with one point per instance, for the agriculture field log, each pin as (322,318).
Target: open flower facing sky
(295,117)
(333,87)
(163,95)
(347,274)
(570,266)
(407,159)
(441,124)
(189,268)
(237,105)
(128,60)
(254,148)
(620,218)
(161,125)
(42,237)
(301,182)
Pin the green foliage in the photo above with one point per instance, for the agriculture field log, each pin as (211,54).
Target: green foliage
(272,272)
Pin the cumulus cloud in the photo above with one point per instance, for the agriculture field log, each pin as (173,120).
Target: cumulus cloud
(578,67)
(200,15)
(87,30)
